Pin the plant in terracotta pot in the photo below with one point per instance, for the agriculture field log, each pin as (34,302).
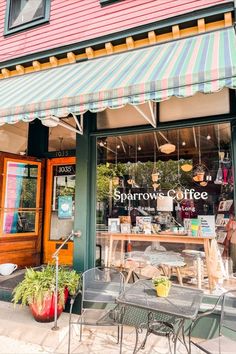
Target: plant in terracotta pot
(162,285)
(38,287)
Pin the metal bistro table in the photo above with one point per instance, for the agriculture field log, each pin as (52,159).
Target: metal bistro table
(181,304)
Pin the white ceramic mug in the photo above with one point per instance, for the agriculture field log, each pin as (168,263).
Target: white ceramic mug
(7,268)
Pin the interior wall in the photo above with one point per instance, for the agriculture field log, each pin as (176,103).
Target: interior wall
(126,116)
(199,105)
(13,138)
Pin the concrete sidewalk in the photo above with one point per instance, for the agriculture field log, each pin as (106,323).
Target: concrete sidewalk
(21,334)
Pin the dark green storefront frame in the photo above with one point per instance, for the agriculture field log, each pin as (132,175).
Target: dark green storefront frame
(86,159)
(85,213)
(85,197)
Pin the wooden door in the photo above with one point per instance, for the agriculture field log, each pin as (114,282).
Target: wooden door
(59,208)
(20,209)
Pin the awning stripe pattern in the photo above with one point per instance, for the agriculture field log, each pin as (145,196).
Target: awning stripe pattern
(204,63)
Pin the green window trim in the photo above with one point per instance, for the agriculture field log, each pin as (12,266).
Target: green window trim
(28,25)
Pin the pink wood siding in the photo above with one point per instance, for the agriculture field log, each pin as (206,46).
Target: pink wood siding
(74,21)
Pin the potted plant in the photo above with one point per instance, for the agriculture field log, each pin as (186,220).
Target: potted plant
(199,173)
(162,285)
(37,290)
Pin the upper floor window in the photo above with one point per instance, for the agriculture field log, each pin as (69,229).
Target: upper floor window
(22,14)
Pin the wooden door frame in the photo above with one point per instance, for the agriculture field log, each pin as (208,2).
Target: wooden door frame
(49,246)
(37,209)
(22,248)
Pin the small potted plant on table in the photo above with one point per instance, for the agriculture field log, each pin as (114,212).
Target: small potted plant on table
(37,290)
(162,285)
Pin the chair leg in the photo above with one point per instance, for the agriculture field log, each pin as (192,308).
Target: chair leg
(145,339)
(136,340)
(199,272)
(170,350)
(130,273)
(179,275)
(176,336)
(166,270)
(184,339)
(69,334)
(121,329)
(118,334)
(80,330)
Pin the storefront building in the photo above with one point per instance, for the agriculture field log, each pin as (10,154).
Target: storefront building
(130,140)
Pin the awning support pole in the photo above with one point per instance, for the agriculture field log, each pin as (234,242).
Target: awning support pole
(122,144)
(194,138)
(79,124)
(152,112)
(69,127)
(151,120)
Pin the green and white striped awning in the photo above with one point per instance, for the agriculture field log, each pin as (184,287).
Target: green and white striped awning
(203,63)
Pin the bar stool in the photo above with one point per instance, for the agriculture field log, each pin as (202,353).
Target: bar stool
(198,257)
(171,267)
(169,262)
(135,269)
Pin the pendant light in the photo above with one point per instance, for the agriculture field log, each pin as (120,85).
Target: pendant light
(199,169)
(135,185)
(179,190)
(155,173)
(115,179)
(167,148)
(219,175)
(186,167)
(131,180)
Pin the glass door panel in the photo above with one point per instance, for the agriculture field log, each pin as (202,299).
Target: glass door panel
(63,199)
(59,208)
(21,197)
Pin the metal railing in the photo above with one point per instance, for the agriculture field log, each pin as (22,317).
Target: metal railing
(56,257)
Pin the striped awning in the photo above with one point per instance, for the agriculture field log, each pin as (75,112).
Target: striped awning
(203,63)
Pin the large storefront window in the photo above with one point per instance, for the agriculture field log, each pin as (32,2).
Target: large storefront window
(176,187)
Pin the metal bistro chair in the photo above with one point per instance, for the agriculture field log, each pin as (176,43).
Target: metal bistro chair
(222,344)
(101,287)
(148,323)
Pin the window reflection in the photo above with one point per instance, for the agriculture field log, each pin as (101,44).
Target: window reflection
(177,182)
(19,222)
(20,195)
(63,199)
(21,187)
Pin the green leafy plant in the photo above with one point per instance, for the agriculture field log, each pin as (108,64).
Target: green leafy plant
(38,284)
(161,280)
